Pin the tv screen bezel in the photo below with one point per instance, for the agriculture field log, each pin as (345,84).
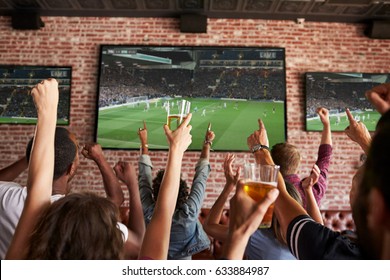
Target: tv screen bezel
(33,120)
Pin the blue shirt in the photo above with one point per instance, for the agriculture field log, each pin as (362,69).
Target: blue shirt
(187,234)
(263,245)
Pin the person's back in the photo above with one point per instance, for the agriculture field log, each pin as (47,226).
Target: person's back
(13,195)
(187,236)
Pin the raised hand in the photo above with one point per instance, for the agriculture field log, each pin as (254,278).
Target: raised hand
(231,177)
(245,217)
(125,172)
(180,138)
(358,132)
(379,96)
(143,134)
(45,96)
(258,136)
(209,137)
(323,113)
(92,151)
(310,181)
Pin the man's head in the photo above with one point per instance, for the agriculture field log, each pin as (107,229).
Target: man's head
(287,157)
(371,207)
(66,153)
(183,189)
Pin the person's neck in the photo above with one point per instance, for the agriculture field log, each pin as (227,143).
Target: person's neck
(60,186)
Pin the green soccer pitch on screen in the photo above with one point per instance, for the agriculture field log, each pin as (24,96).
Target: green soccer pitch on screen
(338,91)
(228,87)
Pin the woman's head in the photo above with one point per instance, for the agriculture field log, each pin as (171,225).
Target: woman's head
(183,189)
(78,226)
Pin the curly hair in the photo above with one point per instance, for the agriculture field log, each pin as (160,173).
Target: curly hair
(79,226)
(183,188)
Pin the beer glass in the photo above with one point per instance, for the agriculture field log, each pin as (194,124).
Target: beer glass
(259,180)
(177,111)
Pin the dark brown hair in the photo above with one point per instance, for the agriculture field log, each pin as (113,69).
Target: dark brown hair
(79,226)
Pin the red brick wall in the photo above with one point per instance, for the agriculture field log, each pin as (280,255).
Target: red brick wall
(313,47)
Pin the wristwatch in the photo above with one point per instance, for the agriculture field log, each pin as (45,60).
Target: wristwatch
(257,147)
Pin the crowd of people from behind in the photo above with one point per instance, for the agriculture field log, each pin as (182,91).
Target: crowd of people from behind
(202,82)
(47,220)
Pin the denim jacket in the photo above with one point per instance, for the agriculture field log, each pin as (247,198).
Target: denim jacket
(187,234)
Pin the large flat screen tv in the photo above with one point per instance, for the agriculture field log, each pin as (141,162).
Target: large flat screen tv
(338,91)
(230,87)
(16,82)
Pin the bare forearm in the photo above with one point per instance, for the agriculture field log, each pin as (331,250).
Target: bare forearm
(111,184)
(211,224)
(39,183)
(206,151)
(136,219)
(312,208)
(12,171)
(156,239)
(326,137)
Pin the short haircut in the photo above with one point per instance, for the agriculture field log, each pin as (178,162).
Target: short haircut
(287,157)
(65,151)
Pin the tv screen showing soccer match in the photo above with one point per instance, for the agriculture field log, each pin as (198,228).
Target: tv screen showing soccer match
(16,82)
(229,87)
(338,91)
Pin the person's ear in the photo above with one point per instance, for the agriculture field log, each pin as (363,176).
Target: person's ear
(71,169)
(378,214)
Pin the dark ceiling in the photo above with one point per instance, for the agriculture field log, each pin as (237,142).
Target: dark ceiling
(311,10)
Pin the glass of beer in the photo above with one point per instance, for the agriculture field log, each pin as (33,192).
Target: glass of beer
(177,111)
(259,180)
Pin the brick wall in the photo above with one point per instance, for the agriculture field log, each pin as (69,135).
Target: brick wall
(312,47)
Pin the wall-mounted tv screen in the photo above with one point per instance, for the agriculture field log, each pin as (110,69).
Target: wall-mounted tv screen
(16,82)
(229,87)
(338,91)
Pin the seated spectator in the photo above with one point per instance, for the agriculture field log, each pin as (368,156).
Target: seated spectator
(287,156)
(187,236)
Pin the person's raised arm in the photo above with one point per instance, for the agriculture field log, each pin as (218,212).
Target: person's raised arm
(358,132)
(136,225)
(211,224)
(12,171)
(326,136)
(208,141)
(245,216)
(286,208)
(143,137)
(311,204)
(41,167)
(111,184)
(156,240)
(379,96)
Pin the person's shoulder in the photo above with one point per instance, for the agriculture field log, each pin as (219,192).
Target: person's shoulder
(11,187)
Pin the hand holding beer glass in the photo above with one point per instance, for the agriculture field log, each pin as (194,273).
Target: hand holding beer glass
(177,111)
(259,180)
